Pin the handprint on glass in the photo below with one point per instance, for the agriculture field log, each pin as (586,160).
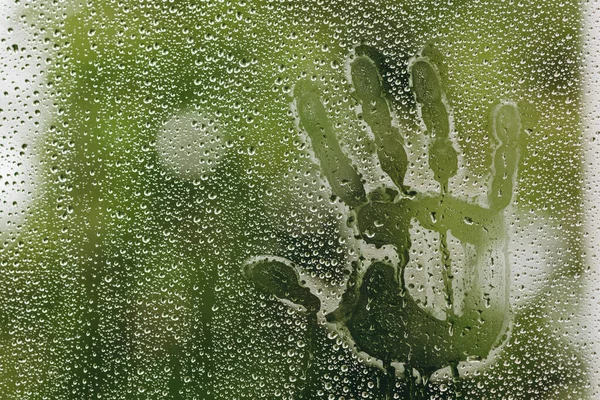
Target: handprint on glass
(378,312)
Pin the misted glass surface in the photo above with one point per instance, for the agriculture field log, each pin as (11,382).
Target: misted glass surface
(297,200)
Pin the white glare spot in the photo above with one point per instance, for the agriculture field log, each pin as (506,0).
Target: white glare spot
(190,145)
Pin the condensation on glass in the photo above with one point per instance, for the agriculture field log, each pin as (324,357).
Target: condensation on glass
(298,200)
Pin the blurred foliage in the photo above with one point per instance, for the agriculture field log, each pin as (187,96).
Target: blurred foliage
(124,279)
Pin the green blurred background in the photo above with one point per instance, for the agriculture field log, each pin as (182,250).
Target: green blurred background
(123,279)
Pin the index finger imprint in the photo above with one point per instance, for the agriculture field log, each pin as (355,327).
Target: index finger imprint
(336,166)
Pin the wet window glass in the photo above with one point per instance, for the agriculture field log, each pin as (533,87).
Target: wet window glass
(307,199)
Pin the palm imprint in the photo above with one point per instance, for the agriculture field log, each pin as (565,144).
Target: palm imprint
(378,312)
